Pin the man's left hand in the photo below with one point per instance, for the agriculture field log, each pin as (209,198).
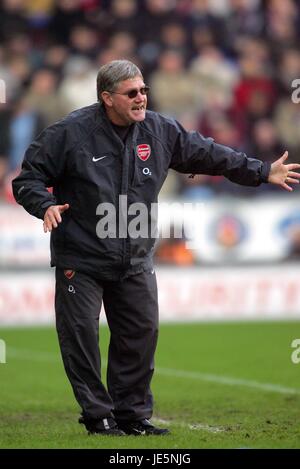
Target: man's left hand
(283,174)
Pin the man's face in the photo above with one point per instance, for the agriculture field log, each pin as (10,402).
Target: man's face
(123,110)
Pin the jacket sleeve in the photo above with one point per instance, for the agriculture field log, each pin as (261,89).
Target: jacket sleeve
(43,166)
(192,153)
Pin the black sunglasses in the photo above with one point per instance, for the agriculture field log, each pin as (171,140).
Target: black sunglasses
(133,93)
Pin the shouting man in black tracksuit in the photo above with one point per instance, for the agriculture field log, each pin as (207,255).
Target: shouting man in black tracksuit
(93,156)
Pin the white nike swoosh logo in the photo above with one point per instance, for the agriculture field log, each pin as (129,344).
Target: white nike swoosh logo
(101,158)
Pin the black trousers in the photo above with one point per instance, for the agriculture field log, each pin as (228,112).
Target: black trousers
(132,314)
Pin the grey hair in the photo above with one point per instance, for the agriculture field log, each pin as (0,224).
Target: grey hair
(112,73)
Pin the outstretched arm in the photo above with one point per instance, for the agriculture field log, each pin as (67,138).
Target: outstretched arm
(283,174)
(193,153)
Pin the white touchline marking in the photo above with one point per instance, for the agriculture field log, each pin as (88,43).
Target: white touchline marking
(218,379)
(191,426)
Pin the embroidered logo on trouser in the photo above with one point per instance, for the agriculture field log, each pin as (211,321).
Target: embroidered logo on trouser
(69,273)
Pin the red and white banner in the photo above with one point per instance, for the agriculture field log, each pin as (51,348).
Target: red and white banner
(22,240)
(26,298)
(185,294)
(237,293)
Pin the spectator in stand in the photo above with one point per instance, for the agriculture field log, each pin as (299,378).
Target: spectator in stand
(42,96)
(173,87)
(20,44)
(174,36)
(255,95)
(264,140)
(220,126)
(84,41)
(287,120)
(202,17)
(244,19)
(23,48)
(281,25)
(12,19)
(215,78)
(76,89)
(25,124)
(123,16)
(39,14)
(55,58)
(106,55)
(67,14)
(202,37)
(288,70)
(155,15)
(123,44)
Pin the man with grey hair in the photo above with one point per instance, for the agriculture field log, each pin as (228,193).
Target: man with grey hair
(97,155)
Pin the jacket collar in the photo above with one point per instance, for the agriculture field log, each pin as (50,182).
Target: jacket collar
(109,130)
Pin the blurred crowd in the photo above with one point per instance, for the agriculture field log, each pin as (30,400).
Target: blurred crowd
(222,67)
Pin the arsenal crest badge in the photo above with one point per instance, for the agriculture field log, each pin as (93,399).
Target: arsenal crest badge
(143,151)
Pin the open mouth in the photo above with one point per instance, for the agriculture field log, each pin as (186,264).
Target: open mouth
(138,108)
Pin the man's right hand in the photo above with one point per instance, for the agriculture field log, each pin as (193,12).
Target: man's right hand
(52,216)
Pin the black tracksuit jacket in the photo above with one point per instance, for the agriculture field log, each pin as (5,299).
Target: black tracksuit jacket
(67,156)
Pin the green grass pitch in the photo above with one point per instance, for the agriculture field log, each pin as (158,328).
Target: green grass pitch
(222,385)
